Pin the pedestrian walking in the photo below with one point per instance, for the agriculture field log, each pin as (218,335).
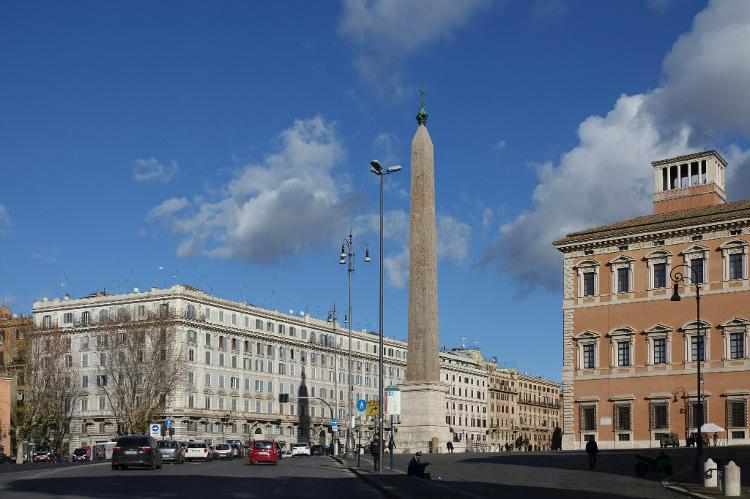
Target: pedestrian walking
(450,447)
(375,451)
(592,450)
(716,439)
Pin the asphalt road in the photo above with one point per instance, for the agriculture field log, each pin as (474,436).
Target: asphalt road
(304,477)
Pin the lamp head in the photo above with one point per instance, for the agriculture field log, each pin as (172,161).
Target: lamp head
(393,169)
(367,256)
(342,255)
(376,167)
(676,293)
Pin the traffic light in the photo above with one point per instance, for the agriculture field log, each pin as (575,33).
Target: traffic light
(163,430)
(171,431)
(283,398)
(278,422)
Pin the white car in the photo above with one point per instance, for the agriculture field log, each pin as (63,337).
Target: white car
(198,450)
(300,450)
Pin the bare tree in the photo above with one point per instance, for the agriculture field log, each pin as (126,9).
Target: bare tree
(143,366)
(50,387)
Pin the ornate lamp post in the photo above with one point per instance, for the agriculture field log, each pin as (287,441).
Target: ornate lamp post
(677,276)
(377,169)
(335,434)
(347,256)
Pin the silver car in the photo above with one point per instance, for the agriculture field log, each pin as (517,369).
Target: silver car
(171,451)
(224,451)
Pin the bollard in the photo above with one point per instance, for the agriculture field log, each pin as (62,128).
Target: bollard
(710,473)
(731,480)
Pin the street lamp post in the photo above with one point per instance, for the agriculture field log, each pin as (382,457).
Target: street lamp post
(335,435)
(677,276)
(377,169)
(347,256)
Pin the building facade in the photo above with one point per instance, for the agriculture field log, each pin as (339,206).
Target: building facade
(631,353)
(13,329)
(465,373)
(239,359)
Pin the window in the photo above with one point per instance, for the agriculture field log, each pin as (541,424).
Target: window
(208,339)
(623,280)
(84,381)
(588,357)
(697,348)
(258,324)
(659,415)
(68,318)
(207,379)
(192,337)
(696,264)
(695,417)
(190,314)
(191,355)
(221,316)
(736,345)
(85,318)
(623,353)
(737,413)
(734,253)
(622,417)
(84,360)
(588,417)
(735,266)
(208,357)
(588,283)
(660,351)
(660,275)
(101,380)
(103,316)
(84,342)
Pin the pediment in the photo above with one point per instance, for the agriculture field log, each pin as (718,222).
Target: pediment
(658,328)
(658,254)
(695,249)
(587,264)
(620,260)
(733,244)
(622,331)
(735,322)
(587,335)
(693,326)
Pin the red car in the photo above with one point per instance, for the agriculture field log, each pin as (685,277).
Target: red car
(264,451)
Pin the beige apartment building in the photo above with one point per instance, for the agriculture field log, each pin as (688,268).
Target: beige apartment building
(524,410)
(631,353)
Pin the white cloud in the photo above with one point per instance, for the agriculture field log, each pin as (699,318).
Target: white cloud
(608,176)
(49,254)
(152,171)
(5,223)
(386,32)
(281,206)
(453,239)
(167,208)
(501,145)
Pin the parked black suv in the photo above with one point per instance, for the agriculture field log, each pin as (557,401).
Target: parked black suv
(136,450)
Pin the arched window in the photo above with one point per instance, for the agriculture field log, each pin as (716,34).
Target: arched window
(190,312)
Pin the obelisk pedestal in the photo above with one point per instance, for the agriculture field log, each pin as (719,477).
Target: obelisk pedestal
(423,427)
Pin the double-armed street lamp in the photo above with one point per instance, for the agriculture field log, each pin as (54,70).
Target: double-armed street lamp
(377,169)
(677,277)
(347,256)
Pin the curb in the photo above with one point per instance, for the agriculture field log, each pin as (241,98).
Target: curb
(388,491)
(682,490)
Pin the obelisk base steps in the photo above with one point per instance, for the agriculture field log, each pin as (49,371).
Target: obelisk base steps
(423,427)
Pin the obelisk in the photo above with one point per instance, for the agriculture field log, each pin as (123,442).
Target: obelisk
(423,427)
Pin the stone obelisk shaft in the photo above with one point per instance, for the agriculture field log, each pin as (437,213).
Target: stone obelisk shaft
(423,362)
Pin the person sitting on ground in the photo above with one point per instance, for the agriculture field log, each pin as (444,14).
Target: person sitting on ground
(417,466)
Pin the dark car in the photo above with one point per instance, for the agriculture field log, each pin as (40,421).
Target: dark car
(171,451)
(136,450)
(80,454)
(670,440)
(317,450)
(42,453)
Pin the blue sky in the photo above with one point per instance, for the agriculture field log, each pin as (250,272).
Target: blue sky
(229,143)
